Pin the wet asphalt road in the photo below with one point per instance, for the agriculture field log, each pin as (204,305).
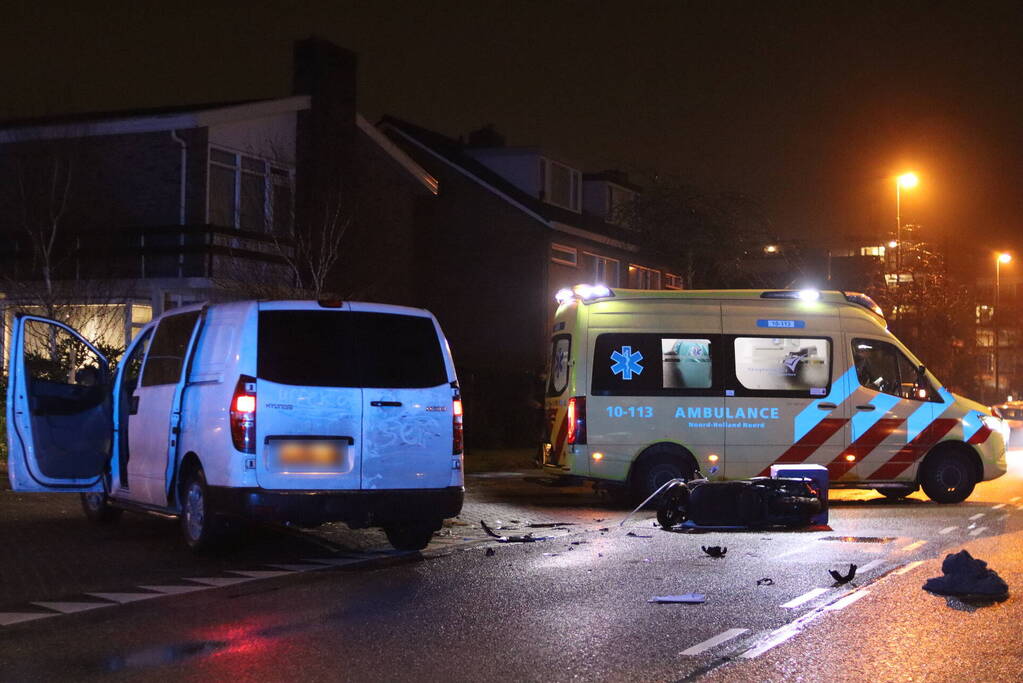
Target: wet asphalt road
(571,607)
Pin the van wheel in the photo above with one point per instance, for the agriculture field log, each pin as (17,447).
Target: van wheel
(655,470)
(199,524)
(897,492)
(410,536)
(947,478)
(98,509)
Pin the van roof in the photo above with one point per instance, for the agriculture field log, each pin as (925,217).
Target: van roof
(829,296)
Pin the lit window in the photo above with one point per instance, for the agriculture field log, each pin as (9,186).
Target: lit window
(600,269)
(644,278)
(872,251)
(672,281)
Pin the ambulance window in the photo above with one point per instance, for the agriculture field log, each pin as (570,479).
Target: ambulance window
(881,366)
(167,352)
(783,364)
(561,348)
(651,364)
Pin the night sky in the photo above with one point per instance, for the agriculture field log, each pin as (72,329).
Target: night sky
(812,107)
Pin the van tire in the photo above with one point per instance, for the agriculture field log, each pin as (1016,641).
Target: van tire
(200,525)
(897,492)
(655,468)
(947,477)
(97,508)
(415,536)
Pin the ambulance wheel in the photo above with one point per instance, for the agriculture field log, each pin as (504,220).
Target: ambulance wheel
(897,493)
(200,526)
(655,469)
(98,509)
(947,477)
(410,536)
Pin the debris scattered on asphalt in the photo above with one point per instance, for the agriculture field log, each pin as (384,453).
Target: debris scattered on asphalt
(526,538)
(766,581)
(635,535)
(685,599)
(967,578)
(549,525)
(579,542)
(603,529)
(647,560)
(490,552)
(840,579)
(599,519)
(550,554)
(715,551)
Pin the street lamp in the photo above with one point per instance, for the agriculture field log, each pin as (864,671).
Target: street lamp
(1003,257)
(906,180)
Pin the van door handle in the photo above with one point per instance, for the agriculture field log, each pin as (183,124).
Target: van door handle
(133,405)
(385,404)
(826,406)
(866,407)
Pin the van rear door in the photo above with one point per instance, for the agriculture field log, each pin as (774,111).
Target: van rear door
(407,399)
(309,403)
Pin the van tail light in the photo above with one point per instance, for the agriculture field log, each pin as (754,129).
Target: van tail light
(243,415)
(577,420)
(457,434)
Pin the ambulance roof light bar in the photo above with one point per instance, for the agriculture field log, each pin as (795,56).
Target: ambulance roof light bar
(583,293)
(802,294)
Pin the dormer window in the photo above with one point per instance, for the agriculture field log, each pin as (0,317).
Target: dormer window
(560,185)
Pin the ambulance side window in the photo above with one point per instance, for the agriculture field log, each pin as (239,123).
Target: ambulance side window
(782,366)
(656,364)
(881,366)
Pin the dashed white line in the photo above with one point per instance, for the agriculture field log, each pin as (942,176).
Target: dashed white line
(976,516)
(219,581)
(714,642)
(913,546)
(174,590)
(260,573)
(72,607)
(123,598)
(998,507)
(948,530)
(804,598)
(978,531)
(847,600)
(789,552)
(908,568)
(11,618)
(870,565)
(1014,499)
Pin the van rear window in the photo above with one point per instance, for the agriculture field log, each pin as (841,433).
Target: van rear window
(345,349)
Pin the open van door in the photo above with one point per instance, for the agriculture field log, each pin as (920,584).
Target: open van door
(59,417)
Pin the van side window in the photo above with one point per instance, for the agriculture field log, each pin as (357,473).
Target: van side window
(561,349)
(881,366)
(167,351)
(133,364)
(647,364)
(794,366)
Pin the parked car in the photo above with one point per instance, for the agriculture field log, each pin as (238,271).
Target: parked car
(296,411)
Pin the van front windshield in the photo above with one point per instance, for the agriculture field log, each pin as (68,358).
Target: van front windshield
(346,349)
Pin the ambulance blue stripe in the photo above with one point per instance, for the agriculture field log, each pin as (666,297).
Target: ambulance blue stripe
(811,415)
(971,424)
(923,416)
(864,420)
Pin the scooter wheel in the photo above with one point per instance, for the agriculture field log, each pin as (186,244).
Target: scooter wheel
(672,510)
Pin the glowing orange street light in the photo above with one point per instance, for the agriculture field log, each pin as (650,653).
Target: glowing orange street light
(1000,258)
(907,180)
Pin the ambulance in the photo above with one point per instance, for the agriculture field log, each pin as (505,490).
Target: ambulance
(646,386)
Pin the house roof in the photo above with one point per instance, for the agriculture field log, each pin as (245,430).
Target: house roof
(146,120)
(453,153)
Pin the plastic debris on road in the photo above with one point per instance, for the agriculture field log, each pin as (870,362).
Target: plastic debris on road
(684,599)
(527,538)
(635,535)
(714,551)
(843,578)
(967,578)
(765,581)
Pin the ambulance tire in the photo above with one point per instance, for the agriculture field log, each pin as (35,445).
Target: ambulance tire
(897,493)
(947,477)
(201,527)
(410,536)
(97,508)
(656,467)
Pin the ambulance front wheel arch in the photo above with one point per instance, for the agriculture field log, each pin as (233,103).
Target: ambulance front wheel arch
(950,472)
(658,464)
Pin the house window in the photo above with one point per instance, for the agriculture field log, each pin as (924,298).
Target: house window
(565,255)
(984,314)
(560,185)
(249,193)
(618,199)
(872,251)
(600,269)
(644,278)
(672,281)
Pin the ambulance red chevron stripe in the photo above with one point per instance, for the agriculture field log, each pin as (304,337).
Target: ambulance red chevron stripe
(808,445)
(915,449)
(862,447)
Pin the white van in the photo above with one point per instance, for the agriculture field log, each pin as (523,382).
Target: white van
(294,411)
(646,386)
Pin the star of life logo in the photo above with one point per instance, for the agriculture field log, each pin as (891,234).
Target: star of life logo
(627,363)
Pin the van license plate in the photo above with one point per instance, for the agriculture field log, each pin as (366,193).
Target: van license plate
(316,453)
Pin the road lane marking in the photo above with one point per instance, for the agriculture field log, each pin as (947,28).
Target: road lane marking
(948,530)
(714,642)
(870,565)
(998,507)
(123,598)
(805,597)
(11,618)
(976,516)
(913,546)
(260,573)
(847,600)
(1014,499)
(72,607)
(219,581)
(298,567)
(909,567)
(174,590)
(978,531)
(789,552)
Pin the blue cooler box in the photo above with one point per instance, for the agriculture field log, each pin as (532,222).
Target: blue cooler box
(817,473)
